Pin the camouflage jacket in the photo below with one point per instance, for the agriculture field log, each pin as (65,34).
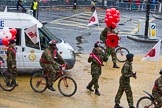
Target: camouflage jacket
(11,56)
(157,86)
(103,35)
(48,57)
(126,73)
(95,66)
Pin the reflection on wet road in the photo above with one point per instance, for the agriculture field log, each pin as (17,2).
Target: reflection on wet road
(73,29)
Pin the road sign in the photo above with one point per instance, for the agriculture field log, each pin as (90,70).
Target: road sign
(30,12)
(152,31)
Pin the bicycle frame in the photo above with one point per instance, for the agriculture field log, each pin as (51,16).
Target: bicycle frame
(58,75)
(152,99)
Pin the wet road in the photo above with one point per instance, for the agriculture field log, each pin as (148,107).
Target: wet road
(82,39)
(72,27)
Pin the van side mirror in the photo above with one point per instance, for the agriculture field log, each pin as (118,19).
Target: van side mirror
(44,22)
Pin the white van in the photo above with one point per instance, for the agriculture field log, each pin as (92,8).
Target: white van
(28,54)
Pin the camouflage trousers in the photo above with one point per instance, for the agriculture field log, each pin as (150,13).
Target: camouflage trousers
(49,68)
(158,98)
(94,81)
(128,92)
(112,53)
(12,71)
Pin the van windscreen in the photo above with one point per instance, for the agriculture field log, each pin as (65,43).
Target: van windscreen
(48,34)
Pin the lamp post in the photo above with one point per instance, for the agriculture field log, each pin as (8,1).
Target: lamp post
(38,9)
(147,19)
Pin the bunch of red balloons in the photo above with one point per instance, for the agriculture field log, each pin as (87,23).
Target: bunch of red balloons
(112,17)
(6,35)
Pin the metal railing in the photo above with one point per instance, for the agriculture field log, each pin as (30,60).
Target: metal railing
(69,3)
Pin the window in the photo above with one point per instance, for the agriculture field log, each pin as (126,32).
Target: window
(45,36)
(29,43)
(18,37)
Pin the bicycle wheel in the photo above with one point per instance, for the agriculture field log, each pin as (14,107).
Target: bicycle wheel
(7,82)
(38,83)
(145,102)
(121,53)
(67,86)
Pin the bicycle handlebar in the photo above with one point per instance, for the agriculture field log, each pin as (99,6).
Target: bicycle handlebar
(63,66)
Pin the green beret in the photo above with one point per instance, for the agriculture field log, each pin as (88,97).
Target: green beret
(129,56)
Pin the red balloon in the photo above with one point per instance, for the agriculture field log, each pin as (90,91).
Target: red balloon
(13,31)
(117,20)
(108,24)
(113,24)
(108,10)
(108,14)
(117,12)
(106,20)
(5,41)
(115,16)
(13,38)
(113,11)
(110,18)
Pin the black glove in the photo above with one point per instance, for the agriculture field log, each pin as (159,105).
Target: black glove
(134,75)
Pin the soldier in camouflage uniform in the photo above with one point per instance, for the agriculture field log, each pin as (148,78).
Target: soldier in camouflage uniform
(157,90)
(96,57)
(103,37)
(11,60)
(49,62)
(125,83)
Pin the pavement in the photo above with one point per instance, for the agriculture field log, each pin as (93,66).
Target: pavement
(140,38)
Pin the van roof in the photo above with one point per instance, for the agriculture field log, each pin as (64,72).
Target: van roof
(18,20)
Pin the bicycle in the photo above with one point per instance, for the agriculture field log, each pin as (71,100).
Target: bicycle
(7,81)
(66,85)
(146,101)
(121,52)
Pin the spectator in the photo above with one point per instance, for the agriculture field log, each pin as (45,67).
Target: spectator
(19,3)
(75,4)
(93,5)
(34,7)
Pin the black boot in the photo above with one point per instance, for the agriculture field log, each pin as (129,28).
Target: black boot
(117,106)
(97,92)
(51,88)
(89,88)
(8,84)
(115,66)
(12,83)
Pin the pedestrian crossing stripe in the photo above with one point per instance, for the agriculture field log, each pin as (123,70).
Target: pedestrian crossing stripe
(81,20)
